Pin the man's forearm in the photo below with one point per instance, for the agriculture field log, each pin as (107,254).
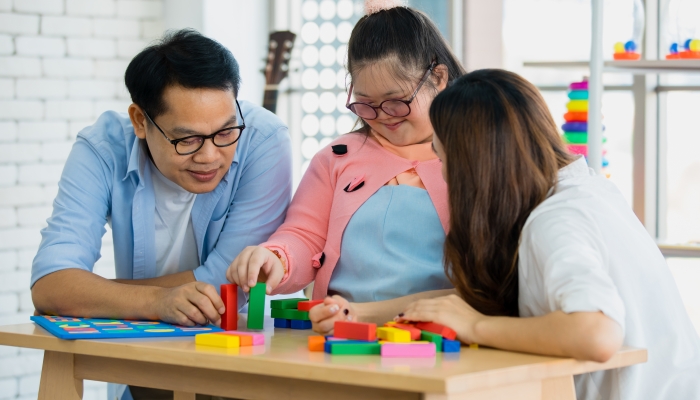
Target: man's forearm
(165,281)
(74,292)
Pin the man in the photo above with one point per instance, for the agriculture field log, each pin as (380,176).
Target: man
(186,181)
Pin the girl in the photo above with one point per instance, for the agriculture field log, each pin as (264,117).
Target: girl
(368,220)
(535,234)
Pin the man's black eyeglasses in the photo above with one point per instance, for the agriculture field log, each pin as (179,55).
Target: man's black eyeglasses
(191,144)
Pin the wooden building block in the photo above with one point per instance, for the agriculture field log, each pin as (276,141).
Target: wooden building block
(411,342)
(229,295)
(316,343)
(415,332)
(256,306)
(289,314)
(217,340)
(393,334)
(450,346)
(247,338)
(286,304)
(355,330)
(474,346)
(300,324)
(432,337)
(408,350)
(308,305)
(283,323)
(437,328)
(353,348)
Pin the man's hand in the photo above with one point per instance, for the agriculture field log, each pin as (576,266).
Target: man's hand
(190,304)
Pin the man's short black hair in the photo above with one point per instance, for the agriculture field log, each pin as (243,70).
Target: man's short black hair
(184,58)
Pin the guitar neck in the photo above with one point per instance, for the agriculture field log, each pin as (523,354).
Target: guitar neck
(270,99)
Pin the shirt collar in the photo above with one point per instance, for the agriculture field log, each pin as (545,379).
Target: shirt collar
(575,169)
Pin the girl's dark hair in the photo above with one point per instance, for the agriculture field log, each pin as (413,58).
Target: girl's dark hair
(184,58)
(503,152)
(405,34)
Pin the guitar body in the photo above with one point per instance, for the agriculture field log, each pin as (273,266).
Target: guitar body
(277,66)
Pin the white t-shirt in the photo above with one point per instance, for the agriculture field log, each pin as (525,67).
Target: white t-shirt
(583,249)
(176,248)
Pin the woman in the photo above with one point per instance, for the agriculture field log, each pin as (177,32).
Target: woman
(546,255)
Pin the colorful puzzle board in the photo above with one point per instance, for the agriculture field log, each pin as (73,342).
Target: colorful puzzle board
(90,328)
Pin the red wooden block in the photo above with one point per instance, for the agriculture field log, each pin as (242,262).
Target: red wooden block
(307,305)
(415,332)
(229,295)
(437,329)
(355,330)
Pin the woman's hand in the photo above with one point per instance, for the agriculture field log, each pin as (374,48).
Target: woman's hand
(450,311)
(244,271)
(323,316)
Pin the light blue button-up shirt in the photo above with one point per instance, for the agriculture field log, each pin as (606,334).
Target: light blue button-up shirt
(107,180)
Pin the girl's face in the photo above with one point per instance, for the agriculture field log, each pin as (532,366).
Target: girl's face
(376,83)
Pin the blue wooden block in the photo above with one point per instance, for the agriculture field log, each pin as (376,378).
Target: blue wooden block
(450,346)
(282,323)
(300,324)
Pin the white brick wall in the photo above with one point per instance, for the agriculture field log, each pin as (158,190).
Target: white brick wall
(62,63)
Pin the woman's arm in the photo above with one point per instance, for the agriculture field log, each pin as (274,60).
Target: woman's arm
(582,335)
(336,308)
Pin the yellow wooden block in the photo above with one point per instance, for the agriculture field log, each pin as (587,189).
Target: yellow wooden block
(393,334)
(416,342)
(217,340)
(474,346)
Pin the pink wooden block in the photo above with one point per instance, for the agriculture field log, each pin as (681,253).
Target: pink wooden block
(408,350)
(258,338)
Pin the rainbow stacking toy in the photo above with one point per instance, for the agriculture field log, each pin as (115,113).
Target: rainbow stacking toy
(576,121)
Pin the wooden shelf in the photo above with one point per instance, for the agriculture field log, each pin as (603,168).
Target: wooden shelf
(680,250)
(635,67)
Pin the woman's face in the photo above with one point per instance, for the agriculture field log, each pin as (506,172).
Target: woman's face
(377,83)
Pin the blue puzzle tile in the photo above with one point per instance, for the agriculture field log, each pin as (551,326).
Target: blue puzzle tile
(300,324)
(282,323)
(450,346)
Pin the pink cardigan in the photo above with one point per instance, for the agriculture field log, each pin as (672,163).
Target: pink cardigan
(332,189)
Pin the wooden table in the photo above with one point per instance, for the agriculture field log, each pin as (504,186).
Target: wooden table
(285,369)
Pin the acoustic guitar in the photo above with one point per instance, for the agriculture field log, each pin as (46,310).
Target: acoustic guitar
(277,65)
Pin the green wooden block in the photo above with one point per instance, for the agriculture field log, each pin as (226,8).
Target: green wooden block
(432,337)
(256,306)
(356,348)
(290,314)
(285,304)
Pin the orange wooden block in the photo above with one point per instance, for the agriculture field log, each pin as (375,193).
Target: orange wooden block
(316,343)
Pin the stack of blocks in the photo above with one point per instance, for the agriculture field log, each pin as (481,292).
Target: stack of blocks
(391,340)
(576,126)
(229,320)
(292,313)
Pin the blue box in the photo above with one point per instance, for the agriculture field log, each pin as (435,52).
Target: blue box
(282,323)
(300,324)
(450,346)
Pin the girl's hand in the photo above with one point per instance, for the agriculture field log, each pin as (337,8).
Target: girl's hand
(252,262)
(450,311)
(323,316)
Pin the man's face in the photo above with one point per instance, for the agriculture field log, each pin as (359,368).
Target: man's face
(190,112)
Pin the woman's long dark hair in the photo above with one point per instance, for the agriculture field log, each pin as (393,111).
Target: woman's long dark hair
(405,35)
(503,152)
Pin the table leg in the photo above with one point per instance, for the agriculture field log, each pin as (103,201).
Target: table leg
(58,381)
(561,388)
(184,396)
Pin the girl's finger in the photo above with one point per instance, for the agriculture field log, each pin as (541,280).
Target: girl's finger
(322,312)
